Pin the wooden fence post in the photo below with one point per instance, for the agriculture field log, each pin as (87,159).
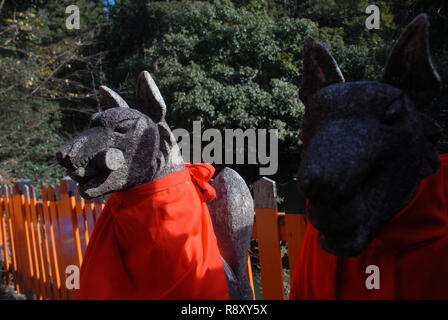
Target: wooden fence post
(89,216)
(70,238)
(5,247)
(4,237)
(44,252)
(29,239)
(2,242)
(295,221)
(35,236)
(7,190)
(268,239)
(55,199)
(24,266)
(82,221)
(50,242)
(15,206)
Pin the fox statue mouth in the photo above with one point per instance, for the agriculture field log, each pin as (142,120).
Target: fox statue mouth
(87,175)
(348,241)
(338,238)
(345,228)
(93,170)
(84,170)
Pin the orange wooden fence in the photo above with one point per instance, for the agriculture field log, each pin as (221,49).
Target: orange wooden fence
(39,239)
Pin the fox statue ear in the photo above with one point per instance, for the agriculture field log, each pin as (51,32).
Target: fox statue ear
(112,99)
(409,65)
(149,98)
(319,69)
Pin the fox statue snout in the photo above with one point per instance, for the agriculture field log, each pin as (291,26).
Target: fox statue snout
(85,160)
(109,159)
(366,144)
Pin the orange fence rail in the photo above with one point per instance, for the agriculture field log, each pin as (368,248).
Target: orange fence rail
(41,240)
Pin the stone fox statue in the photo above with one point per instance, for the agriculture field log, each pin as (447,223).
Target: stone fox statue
(376,190)
(155,238)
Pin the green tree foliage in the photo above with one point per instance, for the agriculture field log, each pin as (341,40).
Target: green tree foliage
(229,68)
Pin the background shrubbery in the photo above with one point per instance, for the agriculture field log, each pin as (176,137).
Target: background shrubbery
(230,64)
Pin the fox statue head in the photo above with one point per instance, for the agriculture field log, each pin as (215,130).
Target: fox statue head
(123,147)
(366,144)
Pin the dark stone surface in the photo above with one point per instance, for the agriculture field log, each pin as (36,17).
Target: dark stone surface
(366,144)
(265,193)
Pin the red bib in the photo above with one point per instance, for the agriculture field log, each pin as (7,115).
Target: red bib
(156,241)
(411,253)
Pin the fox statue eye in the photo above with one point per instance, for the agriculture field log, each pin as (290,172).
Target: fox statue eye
(393,110)
(121,129)
(124,126)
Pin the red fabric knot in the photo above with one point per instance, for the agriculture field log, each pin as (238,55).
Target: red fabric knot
(201,173)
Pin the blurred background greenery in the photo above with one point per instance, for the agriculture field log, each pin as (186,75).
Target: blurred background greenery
(230,64)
